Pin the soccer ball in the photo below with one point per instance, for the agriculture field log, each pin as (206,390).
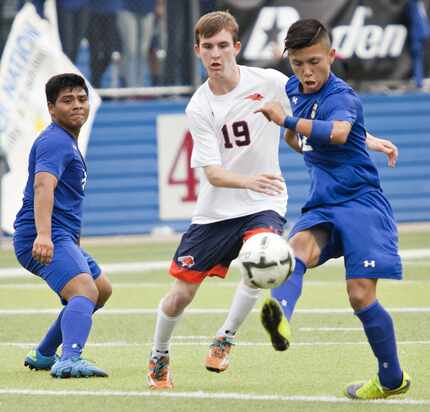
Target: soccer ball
(266,260)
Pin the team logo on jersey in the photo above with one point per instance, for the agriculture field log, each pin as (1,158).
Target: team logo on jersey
(255,96)
(295,99)
(369,263)
(314,110)
(186,261)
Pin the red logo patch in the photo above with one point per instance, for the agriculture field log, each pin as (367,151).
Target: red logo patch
(255,96)
(186,261)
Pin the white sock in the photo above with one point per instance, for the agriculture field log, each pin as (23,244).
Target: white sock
(163,332)
(243,301)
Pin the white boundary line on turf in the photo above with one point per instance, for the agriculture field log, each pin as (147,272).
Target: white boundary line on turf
(220,284)
(208,395)
(207,342)
(213,311)
(133,267)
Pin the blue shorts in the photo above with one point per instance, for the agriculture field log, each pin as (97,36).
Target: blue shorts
(207,250)
(69,261)
(363,230)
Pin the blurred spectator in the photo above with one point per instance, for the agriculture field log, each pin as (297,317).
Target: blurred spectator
(136,25)
(179,43)
(419,33)
(73,17)
(103,36)
(8,10)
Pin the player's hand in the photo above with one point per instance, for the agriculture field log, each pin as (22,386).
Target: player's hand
(274,112)
(271,185)
(384,146)
(43,249)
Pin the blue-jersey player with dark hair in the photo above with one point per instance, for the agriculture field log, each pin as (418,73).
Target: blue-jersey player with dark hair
(346,213)
(47,231)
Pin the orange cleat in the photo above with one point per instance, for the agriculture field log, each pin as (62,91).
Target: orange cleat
(158,376)
(218,357)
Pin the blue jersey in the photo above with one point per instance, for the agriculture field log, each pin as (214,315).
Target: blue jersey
(338,172)
(55,151)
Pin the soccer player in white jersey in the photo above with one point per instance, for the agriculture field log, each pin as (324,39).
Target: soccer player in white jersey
(242,191)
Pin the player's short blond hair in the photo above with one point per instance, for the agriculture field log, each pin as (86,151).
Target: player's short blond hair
(212,23)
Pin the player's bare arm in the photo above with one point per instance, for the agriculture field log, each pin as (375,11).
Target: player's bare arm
(333,132)
(293,141)
(377,144)
(44,186)
(265,183)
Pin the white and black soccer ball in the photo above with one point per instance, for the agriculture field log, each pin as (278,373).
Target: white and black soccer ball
(266,260)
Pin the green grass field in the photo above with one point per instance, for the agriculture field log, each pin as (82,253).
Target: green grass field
(329,348)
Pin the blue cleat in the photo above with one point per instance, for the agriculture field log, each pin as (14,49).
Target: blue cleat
(76,368)
(35,360)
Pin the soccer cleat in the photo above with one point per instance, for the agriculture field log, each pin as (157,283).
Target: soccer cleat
(35,360)
(76,368)
(374,390)
(218,357)
(276,324)
(158,376)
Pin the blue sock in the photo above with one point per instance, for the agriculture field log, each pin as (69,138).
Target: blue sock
(76,325)
(54,337)
(379,330)
(289,292)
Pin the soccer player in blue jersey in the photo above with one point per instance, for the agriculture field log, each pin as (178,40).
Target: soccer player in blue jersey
(346,213)
(47,231)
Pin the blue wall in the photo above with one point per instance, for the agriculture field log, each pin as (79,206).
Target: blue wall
(122,191)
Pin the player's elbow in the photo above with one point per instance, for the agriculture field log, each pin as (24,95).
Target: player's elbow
(214,176)
(340,132)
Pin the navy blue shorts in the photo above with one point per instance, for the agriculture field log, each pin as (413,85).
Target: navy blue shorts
(69,261)
(363,230)
(207,250)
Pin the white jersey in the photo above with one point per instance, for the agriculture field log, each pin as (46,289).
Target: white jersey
(227,132)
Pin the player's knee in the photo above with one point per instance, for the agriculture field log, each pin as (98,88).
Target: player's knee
(104,288)
(305,249)
(359,298)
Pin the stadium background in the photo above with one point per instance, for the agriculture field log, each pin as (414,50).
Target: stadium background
(138,54)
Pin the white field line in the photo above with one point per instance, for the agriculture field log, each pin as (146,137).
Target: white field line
(207,395)
(213,311)
(207,342)
(133,267)
(217,284)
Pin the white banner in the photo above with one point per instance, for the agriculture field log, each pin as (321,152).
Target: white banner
(177,182)
(31,56)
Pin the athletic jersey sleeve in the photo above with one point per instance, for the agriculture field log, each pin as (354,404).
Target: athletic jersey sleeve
(342,107)
(205,145)
(52,156)
(279,81)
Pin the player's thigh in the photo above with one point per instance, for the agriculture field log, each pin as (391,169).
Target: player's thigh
(313,237)
(309,244)
(68,262)
(80,285)
(369,237)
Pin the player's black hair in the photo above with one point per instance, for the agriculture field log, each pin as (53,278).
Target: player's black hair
(306,33)
(63,81)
